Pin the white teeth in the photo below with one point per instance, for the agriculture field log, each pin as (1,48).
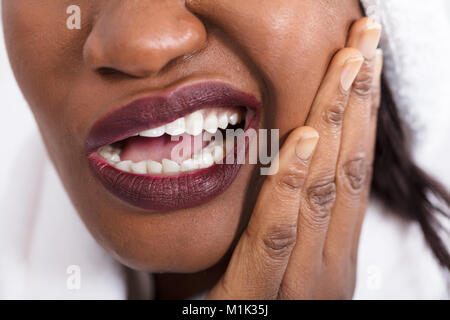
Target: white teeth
(176,127)
(189,165)
(217,153)
(110,154)
(194,123)
(207,159)
(211,122)
(170,166)
(124,165)
(105,154)
(153,133)
(154,167)
(108,148)
(223,120)
(114,157)
(234,118)
(204,159)
(139,167)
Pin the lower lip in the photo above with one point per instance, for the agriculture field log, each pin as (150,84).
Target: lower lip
(164,193)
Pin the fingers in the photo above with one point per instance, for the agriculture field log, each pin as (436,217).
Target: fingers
(284,250)
(372,129)
(319,191)
(340,104)
(326,115)
(260,258)
(364,35)
(354,166)
(376,98)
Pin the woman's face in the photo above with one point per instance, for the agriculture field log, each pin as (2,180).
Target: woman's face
(82,86)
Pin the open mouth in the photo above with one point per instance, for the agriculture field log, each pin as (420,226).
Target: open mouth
(186,144)
(163,153)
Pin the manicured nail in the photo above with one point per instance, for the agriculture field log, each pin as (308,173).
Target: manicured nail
(350,71)
(307,144)
(378,66)
(369,39)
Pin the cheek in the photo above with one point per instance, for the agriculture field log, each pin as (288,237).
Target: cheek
(46,57)
(44,54)
(294,62)
(289,42)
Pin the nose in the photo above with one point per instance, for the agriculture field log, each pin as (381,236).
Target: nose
(139,38)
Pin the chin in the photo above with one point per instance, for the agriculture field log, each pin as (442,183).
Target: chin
(181,241)
(152,211)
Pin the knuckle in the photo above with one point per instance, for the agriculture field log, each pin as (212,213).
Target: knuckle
(334,114)
(279,239)
(291,182)
(321,197)
(363,85)
(356,173)
(291,179)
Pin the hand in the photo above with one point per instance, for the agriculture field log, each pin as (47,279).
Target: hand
(302,239)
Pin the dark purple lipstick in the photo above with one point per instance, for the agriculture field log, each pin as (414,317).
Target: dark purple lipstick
(166,192)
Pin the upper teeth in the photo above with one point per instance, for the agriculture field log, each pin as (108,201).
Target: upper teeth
(210,120)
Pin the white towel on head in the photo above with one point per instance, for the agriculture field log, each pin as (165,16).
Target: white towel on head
(416,45)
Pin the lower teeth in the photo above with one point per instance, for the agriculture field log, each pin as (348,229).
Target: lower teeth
(206,158)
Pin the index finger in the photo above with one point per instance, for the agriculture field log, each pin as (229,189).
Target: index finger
(259,260)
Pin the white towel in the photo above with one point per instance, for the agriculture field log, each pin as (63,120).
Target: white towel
(416,45)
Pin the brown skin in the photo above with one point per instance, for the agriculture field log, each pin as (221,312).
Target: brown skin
(278,50)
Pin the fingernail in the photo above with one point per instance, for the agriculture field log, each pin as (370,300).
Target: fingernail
(378,66)
(369,39)
(307,144)
(350,71)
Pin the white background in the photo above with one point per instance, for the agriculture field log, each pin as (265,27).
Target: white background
(16,121)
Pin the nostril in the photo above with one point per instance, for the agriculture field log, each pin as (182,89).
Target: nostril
(111,72)
(105,71)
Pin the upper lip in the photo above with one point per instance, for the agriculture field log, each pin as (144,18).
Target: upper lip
(159,109)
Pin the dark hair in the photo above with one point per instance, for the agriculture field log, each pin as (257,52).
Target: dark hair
(401,185)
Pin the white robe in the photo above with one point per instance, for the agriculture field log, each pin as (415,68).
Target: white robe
(44,245)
